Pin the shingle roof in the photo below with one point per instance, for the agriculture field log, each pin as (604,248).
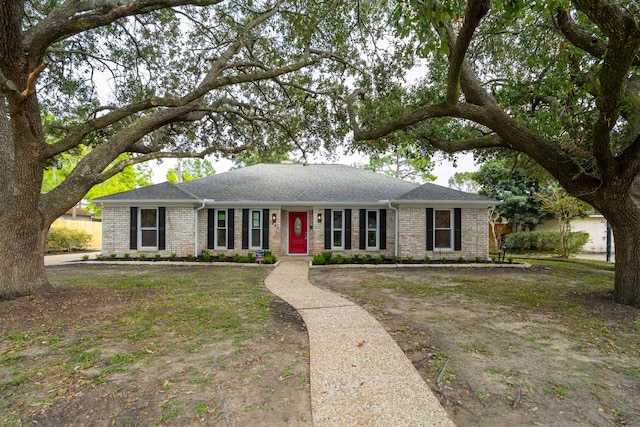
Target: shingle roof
(163,191)
(299,183)
(435,192)
(294,183)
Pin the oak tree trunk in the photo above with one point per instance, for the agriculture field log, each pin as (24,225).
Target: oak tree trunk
(23,227)
(623,214)
(627,265)
(21,253)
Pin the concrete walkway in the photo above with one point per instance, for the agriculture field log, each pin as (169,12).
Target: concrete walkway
(359,375)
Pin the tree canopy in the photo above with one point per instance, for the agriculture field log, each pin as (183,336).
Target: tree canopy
(402,162)
(190,169)
(555,80)
(113,84)
(520,196)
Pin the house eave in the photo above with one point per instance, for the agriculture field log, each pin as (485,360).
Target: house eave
(292,204)
(446,203)
(148,202)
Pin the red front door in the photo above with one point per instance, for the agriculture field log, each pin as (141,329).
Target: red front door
(297,232)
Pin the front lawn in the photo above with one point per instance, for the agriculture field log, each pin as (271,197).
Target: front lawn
(504,347)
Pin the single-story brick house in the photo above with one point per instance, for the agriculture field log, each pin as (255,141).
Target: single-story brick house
(293,209)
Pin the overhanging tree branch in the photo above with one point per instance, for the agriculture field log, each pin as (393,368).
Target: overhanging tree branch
(120,166)
(581,38)
(74,17)
(476,10)
(486,141)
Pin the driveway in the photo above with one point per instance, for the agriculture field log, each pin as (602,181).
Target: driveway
(596,256)
(62,258)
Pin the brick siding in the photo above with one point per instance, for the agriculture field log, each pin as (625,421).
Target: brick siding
(412,235)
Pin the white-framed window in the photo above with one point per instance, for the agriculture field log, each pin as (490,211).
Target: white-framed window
(337,229)
(255,230)
(221,228)
(442,229)
(148,230)
(373,228)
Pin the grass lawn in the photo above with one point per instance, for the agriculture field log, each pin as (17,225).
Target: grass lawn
(153,345)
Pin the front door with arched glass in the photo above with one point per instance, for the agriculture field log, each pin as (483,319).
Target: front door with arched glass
(298,233)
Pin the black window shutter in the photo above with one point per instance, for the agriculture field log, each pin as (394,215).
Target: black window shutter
(133,230)
(457,229)
(265,228)
(347,228)
(230,228)
(362,229)
(429,229)
(327,229)
(383,229)
(245,228)
(162,213)
(211,228)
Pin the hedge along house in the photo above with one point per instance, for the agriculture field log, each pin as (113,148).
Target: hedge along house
(293,209)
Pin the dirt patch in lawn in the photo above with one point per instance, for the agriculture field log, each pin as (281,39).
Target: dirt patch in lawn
(547,346)
(157,345)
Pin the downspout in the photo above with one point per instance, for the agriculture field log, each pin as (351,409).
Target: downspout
(397,232)
(195,226)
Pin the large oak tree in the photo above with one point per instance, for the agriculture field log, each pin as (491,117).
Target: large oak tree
(557,80)
(120,82)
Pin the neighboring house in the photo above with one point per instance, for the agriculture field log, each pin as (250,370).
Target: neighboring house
(77,214)
(293,209)
(595,225)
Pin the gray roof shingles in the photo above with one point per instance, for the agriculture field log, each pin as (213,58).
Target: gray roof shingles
(294,183)
(430,191)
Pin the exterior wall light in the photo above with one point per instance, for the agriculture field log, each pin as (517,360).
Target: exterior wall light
(273,218)
(319,216)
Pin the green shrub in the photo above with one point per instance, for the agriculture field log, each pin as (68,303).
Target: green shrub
(269,258)
(427,258)
(206,256)
(380,259)
(63,239)
(142,257)
(221,257)
(545,242)
(189,257)
(366,258)
(127,256)
(338,259)
(113,256)
(173,256)
(318,259)
(157,256)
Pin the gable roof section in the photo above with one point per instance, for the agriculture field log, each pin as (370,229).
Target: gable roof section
(295,184)
(164,191)
(433,192)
